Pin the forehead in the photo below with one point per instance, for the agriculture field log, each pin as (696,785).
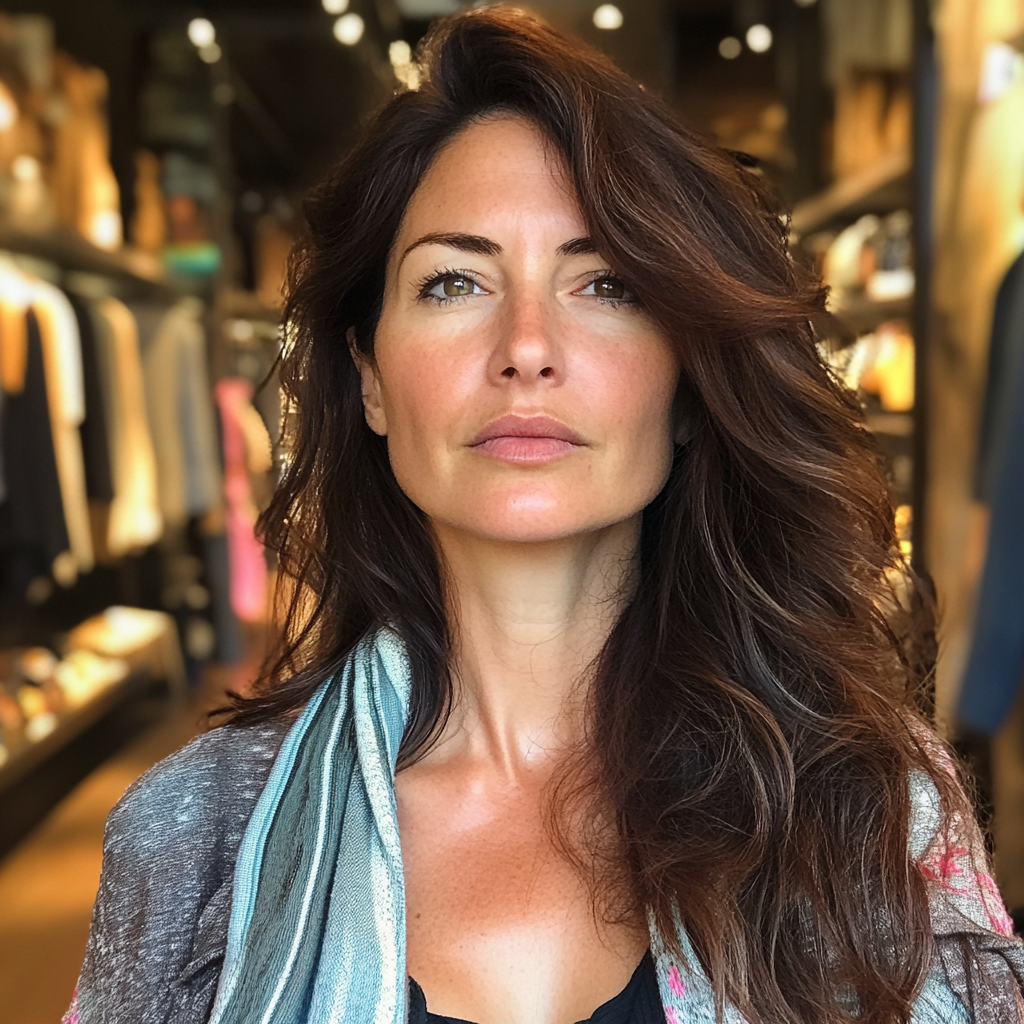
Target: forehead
(494,172)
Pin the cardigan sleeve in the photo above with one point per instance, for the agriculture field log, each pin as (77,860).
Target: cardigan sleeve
(159,924)
(978,958)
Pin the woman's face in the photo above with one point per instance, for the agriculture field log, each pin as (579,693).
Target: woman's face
(525,396)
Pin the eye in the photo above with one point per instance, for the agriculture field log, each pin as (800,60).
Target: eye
(450,285)
(609,288)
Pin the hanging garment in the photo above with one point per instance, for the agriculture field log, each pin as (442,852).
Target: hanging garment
(99,480)
(1005,353)
(33,533)
(135,521)
(14,299)
(306,921)
(996,661)
(245,552)
(179,402)
(62,360)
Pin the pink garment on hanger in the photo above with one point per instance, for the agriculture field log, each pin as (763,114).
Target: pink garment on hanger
(246,564)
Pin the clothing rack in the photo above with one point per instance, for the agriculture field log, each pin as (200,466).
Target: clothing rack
(38,770)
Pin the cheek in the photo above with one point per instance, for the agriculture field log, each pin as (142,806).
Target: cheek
(425,384)
(633,394)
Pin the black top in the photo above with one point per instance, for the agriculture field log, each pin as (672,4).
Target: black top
(638,1003)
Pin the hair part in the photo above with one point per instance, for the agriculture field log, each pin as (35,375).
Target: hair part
(749,724)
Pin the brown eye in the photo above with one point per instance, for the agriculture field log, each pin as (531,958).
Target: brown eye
(453,287)
(609,288)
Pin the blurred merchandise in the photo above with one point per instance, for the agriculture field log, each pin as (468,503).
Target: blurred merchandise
(880,364)
(869,44)
(871,259)
(54,698)
(149,225)
(85,190)
(247,453)
(992,679)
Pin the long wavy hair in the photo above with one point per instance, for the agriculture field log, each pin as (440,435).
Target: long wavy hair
(751,722)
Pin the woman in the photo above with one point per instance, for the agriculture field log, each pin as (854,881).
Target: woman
(587,707)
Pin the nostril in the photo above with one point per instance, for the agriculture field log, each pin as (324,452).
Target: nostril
(547,371)
(509,371)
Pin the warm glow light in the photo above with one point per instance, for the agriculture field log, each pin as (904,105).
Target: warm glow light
(730,47)
(806,3)
(335,6)
(759,38)
(399,53)
(608,17)
(8,109)
(210,53)
(105,229)
(201,32)
(26,168)
(348,29)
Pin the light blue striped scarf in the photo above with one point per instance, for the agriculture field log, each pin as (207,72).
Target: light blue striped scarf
(317,931)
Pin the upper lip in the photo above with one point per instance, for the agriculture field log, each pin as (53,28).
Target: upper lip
(526,426)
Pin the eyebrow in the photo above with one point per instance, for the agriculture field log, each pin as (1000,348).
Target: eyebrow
(480,246)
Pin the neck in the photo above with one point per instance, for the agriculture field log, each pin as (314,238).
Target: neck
(528,622)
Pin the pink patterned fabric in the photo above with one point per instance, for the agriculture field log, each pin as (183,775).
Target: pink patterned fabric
(953,864)
(71,1017)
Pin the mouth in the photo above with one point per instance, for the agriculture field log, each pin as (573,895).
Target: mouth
(526,439)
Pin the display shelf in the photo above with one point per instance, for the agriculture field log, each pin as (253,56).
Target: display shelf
(880,188)
(892,424)
(71,252)
(244,304)
(39,775)
(29,754)
(862,314)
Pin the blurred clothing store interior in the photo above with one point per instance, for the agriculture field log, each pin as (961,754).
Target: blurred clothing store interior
(153,159)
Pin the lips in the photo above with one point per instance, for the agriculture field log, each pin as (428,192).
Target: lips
(526,439)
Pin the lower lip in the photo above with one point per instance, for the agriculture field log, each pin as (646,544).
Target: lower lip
(525,450)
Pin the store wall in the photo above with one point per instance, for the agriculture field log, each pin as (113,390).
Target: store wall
(979,221)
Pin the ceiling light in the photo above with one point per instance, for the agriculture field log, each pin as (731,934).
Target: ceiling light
(335,6)
(806,3)
(348,29)
(759,38)
(608,16)
(730,47)
(201,32)
(210,53)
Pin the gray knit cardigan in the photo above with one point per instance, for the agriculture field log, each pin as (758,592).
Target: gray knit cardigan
(159,927)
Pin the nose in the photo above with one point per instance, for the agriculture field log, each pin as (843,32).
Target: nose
(527,348)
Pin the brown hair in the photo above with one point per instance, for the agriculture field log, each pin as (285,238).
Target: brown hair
(749,724)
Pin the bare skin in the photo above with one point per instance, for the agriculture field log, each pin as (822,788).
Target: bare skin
(495,306)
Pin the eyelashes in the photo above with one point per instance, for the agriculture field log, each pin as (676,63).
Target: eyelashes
(453,284)
(426,288)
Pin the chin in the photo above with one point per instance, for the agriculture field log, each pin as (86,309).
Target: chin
(540,526)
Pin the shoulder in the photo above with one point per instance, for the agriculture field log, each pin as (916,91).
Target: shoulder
(210,785)
(160,920)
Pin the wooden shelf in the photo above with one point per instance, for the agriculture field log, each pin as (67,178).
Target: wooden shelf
(862,314)
(28,754)
(39,775)
(880,188)
(71,252)
(893,424)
